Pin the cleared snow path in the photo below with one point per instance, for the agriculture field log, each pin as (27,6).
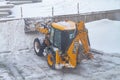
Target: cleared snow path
(105,35)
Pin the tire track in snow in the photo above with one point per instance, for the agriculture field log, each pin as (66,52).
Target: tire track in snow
(16,73)
(99,65)
(49,73)
(99,68)
(5,74)
(109,58)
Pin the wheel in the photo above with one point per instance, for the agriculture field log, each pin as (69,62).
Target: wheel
(51,60)
(38,47)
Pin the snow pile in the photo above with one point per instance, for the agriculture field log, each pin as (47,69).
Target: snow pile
(13,37)
(63,7)
(105,35)
(3,3)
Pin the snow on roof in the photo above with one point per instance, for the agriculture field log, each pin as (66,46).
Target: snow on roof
(63,23)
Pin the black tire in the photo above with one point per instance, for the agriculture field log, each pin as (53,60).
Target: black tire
(51,60)
(38,47)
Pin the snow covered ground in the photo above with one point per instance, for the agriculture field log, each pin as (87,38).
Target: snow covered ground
(63,7)
(19,62)
(105,35)
(25,65)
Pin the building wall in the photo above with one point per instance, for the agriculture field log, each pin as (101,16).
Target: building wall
(88,17)
(17,2)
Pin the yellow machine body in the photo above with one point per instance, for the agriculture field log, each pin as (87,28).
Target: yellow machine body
(69,58)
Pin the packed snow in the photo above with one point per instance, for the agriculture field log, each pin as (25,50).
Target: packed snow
(105,35)
(63,7)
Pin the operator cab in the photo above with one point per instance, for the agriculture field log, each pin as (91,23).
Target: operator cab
(62,34)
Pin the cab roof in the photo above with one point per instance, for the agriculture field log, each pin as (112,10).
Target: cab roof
(64,25)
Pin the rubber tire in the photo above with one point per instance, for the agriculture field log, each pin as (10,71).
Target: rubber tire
(53,60)
(40,52)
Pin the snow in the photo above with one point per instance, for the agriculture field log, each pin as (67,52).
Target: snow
(19,62)
(25,65)
(2,3)
(63,7)
(105,35)
(13,37)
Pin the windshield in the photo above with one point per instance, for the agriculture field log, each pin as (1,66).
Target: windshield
(57,39)
(67,38)
(61,39)
(51,35)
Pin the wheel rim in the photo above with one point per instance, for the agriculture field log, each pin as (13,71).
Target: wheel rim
(37,47)
(50,59)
